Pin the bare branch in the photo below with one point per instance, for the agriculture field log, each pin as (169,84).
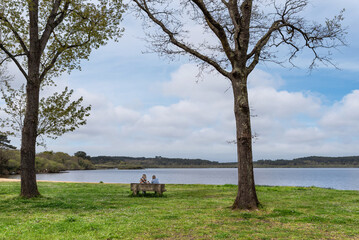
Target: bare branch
(259,46)
(171,35)
(217,29)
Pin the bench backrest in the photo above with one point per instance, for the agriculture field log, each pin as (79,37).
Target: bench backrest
(147,187)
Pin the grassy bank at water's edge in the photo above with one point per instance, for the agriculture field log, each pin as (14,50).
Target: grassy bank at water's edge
(107,211)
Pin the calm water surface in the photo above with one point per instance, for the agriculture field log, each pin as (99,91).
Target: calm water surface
(338,178)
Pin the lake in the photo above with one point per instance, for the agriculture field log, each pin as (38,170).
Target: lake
(337,178)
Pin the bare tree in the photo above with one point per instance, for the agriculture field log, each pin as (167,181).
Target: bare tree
(44,39)
(239,35)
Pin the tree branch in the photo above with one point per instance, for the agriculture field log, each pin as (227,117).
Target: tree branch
(51,23)
(56,56)
(216,29)
(236,20)
(13,57)
(8,57)
(143,6)
(256,51)
(16,34)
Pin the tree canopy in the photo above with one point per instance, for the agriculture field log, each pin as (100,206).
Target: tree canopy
(44,39)
(5,142)
(58,113)
(82,154)
(66,32)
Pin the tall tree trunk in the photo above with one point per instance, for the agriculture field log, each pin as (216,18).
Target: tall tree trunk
(29,131)
(28,142)
(246,196)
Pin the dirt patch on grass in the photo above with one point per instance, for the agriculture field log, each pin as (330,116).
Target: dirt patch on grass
(9,180)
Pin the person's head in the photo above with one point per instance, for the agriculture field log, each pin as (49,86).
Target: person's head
(154,177)
(144,176)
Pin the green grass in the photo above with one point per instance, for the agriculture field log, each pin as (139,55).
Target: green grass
(108,211)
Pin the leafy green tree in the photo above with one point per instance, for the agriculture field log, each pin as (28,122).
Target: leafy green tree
(238,35)
(4,158)
(43,39)
(3,162)
(82,154)
(4,76)
(57,113)
(5,142)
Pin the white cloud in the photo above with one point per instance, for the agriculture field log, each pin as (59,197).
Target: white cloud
(201,121)
(308,135)
(332,131)
(343,117)
(197,118)
(269,101)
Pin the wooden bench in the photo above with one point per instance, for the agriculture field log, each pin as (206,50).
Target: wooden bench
(157,188)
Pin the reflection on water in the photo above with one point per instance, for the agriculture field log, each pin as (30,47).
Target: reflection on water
(338,178)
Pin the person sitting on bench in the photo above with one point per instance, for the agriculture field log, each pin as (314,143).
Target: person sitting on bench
(155,180)
(144,179)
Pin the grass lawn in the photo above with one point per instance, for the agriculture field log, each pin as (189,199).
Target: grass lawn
(107,211)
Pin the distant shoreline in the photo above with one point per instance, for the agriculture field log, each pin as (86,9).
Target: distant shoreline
(306,166)
(124,162)
(2,179)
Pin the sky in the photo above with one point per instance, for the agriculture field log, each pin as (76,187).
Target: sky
(144,105)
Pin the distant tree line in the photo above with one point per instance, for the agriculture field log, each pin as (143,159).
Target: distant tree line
(124,162)
(158,161)
(312,161)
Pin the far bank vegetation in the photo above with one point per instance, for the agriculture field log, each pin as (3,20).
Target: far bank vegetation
(311,162)
(46,162)
(124,162)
